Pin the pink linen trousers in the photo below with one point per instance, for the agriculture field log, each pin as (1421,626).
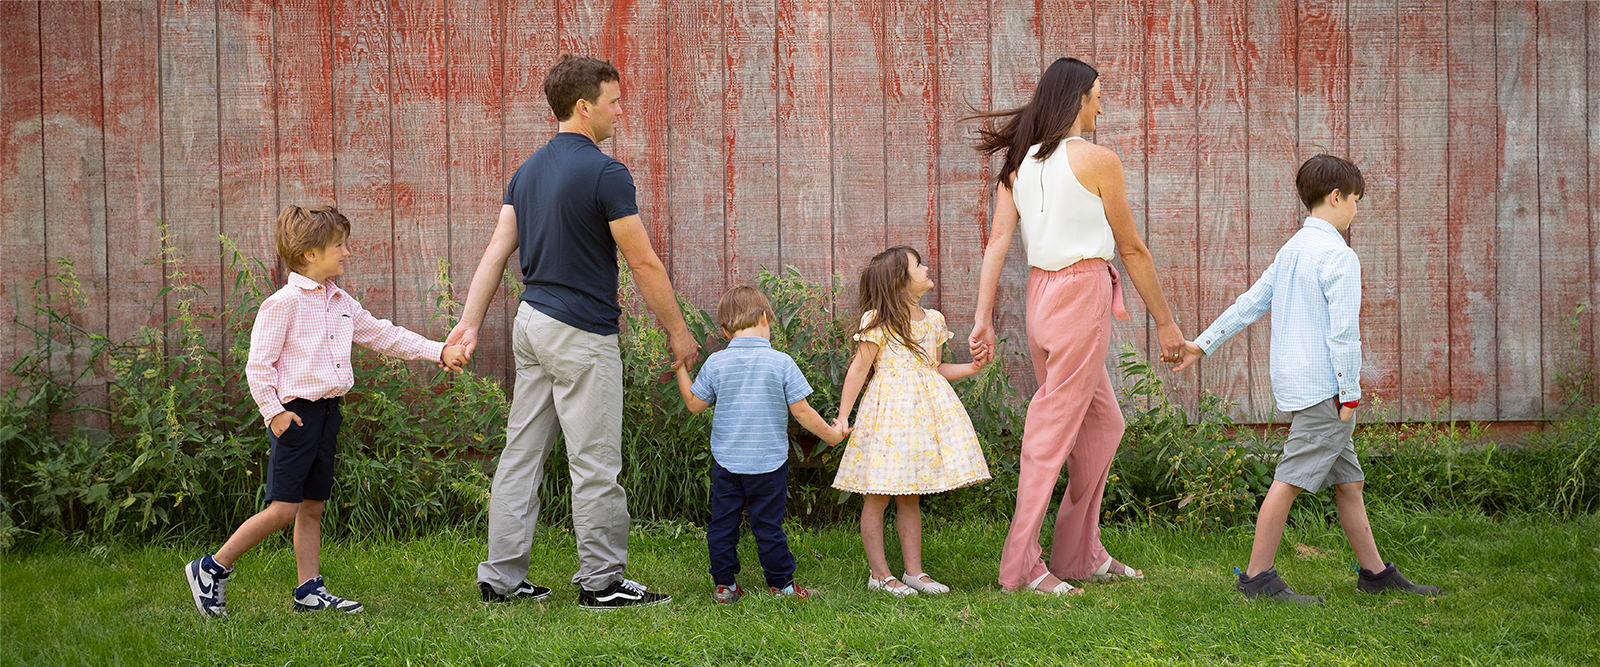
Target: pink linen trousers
(1073,419)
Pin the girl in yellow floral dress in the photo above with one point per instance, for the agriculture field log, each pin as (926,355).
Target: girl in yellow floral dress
(912,436)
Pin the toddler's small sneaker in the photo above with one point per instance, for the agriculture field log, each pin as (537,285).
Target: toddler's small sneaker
(1269,586)
(793,590)
(314,596)
(208,585)
(1390,579)
(524,591)
(727,594)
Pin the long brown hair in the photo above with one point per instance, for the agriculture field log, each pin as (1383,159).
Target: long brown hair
(1045,119)
(883,291)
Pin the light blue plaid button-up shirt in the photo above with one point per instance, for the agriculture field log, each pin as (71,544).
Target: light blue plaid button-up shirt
(1313,289)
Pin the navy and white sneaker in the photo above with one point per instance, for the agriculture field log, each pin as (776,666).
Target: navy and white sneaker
(208,583)
(313,596)
(524,591)
(621,593)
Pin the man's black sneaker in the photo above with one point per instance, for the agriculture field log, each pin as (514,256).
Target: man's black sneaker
(1390,579)
(1268,585)
(621,593)
(523,591)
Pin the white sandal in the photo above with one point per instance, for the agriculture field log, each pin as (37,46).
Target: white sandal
(1062,588)
(929,587)
(901,591)
(1104,573)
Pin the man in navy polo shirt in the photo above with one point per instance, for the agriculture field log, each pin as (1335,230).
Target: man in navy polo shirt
(569,208)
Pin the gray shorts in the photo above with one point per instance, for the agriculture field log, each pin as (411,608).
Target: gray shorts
(1320,451)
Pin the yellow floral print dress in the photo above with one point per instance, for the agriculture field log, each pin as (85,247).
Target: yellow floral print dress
(912,435)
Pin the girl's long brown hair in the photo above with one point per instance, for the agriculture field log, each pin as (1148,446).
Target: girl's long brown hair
(883,291)
(1045,119)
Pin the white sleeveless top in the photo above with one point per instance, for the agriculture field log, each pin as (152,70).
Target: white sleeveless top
(1062,222)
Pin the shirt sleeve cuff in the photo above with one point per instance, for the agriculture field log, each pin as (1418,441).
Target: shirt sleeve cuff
(435,350)
(270,411)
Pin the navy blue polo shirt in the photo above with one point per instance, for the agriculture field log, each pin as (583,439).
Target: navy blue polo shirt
(752,386)
(565,195)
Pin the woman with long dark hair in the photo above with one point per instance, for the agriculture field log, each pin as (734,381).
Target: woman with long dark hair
(1069,198)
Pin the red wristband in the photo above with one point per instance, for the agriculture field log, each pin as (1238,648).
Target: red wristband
(1351,404)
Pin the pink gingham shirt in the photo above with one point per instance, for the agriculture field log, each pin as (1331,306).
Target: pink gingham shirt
(300,345)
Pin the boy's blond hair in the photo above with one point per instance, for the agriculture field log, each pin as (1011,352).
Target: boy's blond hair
(302,229)
(742,308)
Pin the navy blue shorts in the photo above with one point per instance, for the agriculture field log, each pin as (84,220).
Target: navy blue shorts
(301,464)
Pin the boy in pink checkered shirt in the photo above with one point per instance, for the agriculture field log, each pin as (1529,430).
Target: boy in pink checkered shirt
(299,366)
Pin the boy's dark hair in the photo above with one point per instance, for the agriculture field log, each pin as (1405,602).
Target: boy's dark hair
(1325,173)
(576,78)
(302,229)
(742,308)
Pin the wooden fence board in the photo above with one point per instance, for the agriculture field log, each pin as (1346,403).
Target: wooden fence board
(1521,378)
(804,166)
(1014,69)
(422,151)
(189,157)
(750,140)
(1422,232)
(965,185)
(698,212)
(132,61)
(858,143)
(642,56)
(910,131)
(1565,275)
(1473,181)
(247,92)
(1373,107)
(363,140)
(1173,171)
(478,167)
(1121,33)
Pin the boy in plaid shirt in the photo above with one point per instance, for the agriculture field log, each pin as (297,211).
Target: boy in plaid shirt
(298,369)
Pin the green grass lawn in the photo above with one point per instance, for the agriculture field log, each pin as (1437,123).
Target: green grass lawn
(1522,591)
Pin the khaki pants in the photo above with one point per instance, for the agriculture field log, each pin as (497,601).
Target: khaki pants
(567,379)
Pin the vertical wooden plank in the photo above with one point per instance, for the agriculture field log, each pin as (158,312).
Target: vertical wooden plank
(642,56)
(1566,277)
(478,167)
(911,176)
(132,62)
(1014,69)
(1224,215)
(529,44)
(21,178)
(422,152)
(1422,189)
(584,28)
(1473,181)
(1067,30)
(248,152)
(964,184)
(1173,170)
(804,167)
(696,141)
(859,223)
(1373,107)
(1120,56)
(303,58)
(1323,62)
(364,150)
(1521,381)
(1594,193)
(1274,208)
(74,183)
(189,166)
(750,141)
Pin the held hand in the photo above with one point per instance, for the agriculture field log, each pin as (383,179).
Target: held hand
(281,421)
(1347,413)
(834,436)
(981,341)
(1190,354)
(978,363)
(464,336)
(685,352)
(453,358)
(1172,342)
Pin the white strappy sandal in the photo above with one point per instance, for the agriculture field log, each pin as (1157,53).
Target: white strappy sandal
(901,591)
(929,587)
(1062,588)
(1106,572)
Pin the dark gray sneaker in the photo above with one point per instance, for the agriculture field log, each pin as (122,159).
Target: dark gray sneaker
(1268,585)
(1390,579)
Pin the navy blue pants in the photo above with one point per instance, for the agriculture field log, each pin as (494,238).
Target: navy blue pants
(300,466)
(765,496)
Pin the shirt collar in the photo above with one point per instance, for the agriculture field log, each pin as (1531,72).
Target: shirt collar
(301,281)
(1314,222)
(749,341)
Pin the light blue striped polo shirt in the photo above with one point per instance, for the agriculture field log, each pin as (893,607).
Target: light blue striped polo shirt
(751,385)
(1313,289)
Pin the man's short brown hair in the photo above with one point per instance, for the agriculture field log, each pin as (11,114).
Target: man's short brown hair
(742,308)
(302,229)
(576,78)
(1325,173)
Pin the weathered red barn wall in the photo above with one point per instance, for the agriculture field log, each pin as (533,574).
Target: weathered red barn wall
(813,134)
